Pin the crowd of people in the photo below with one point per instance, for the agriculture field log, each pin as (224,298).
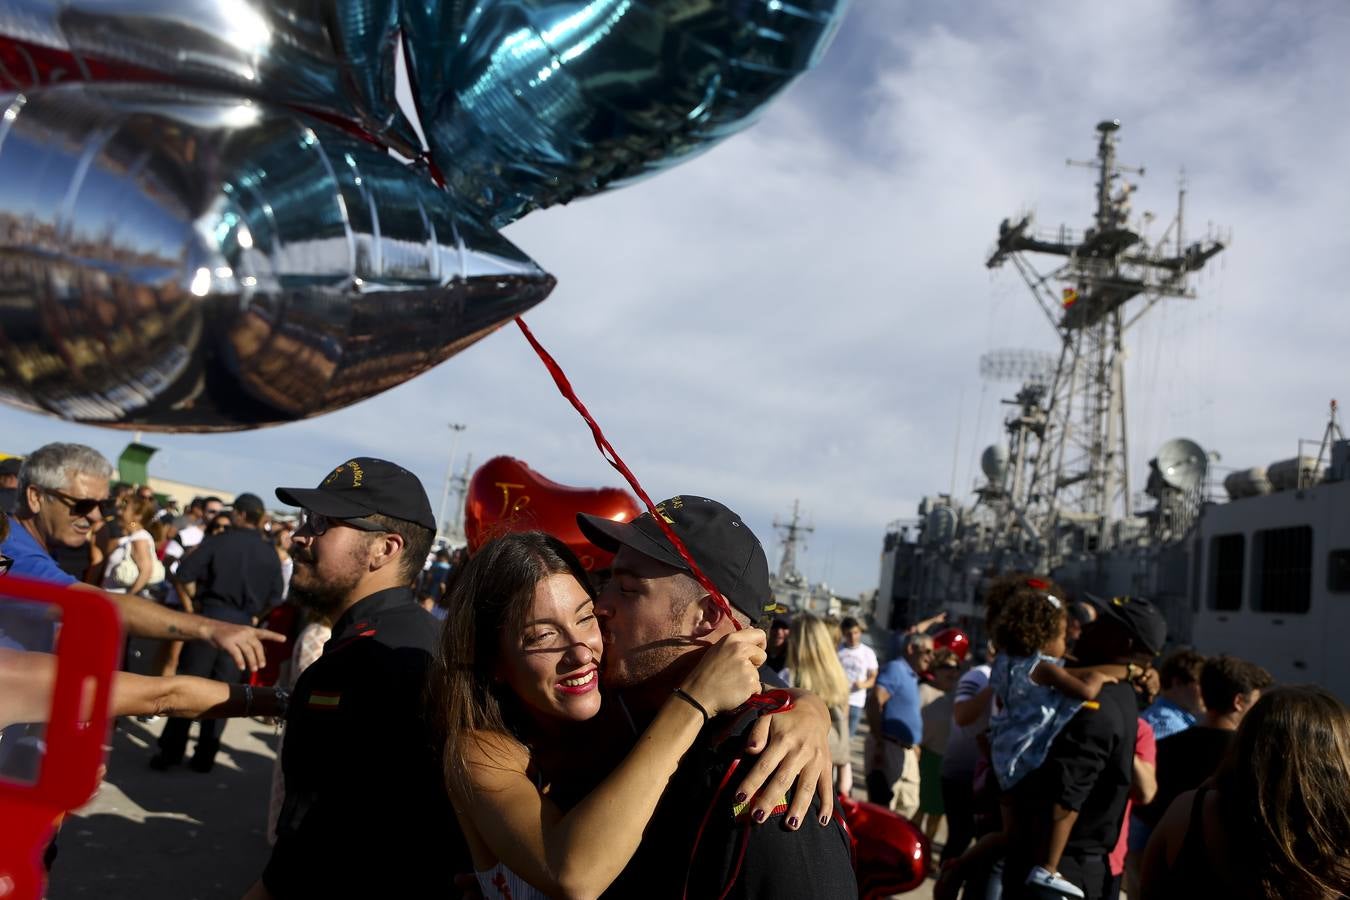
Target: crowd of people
(1069,766)
(470,744)
(511,716)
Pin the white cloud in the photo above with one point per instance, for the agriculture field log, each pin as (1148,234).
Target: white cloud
(798,313)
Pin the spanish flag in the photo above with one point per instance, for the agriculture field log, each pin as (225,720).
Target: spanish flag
(1070,297)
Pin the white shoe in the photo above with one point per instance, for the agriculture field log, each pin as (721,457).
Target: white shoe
(1043,877)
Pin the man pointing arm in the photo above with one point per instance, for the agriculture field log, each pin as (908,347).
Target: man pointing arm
(62,489)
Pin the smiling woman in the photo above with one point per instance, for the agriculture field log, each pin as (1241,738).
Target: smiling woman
(519,673)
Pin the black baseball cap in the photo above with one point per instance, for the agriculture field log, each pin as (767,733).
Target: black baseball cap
(11,465)
(723,546)
(364,486)
(1139,617)
(248,504)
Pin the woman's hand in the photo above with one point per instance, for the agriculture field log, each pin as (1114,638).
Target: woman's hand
(792,750)
(728,674)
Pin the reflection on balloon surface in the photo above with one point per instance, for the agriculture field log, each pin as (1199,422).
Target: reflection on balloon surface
(207,229)
(541,101)
(327,57)
(203,263)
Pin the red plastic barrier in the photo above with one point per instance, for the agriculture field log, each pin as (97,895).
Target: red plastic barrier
(87,650)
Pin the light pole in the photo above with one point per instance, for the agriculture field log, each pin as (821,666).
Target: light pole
(449,475)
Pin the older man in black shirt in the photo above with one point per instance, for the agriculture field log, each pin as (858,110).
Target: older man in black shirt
(366,813)
(1090,764)
(233,577)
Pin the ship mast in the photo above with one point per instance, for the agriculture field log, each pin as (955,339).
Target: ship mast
(794,533)
(1073,484)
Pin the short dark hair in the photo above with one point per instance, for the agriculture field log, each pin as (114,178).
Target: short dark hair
(417,540)
(1082,612)
(1182,667)
(1224,677)
(206,500)
(848,623)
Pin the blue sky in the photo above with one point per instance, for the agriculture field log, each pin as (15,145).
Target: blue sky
(799,313)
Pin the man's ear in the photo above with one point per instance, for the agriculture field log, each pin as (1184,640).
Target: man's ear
(710,617)
(386,550)
(32,496)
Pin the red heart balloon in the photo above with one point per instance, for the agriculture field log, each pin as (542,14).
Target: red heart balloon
(507,495)
(890,852)
(953,639)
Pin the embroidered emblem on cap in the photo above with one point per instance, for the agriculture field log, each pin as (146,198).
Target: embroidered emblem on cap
(357,474)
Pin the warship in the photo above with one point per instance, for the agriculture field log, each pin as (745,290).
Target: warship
(1258,568)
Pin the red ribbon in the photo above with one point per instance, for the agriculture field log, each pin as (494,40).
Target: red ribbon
(612,457)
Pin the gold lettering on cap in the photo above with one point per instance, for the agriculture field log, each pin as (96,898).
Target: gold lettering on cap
(357,474)
(661,509)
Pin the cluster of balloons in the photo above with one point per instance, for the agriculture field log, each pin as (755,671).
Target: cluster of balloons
(217,214)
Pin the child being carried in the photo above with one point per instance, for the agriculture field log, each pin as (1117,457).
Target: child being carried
(1034,698)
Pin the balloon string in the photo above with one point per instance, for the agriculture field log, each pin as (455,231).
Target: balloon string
(612,457)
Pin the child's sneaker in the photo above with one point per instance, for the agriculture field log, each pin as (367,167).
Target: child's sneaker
(1043,877)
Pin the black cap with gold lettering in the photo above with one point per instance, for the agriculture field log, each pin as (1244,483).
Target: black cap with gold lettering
(362,486)
(723,546)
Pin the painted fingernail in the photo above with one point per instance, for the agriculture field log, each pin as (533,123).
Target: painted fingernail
(759,815)
(824,820)
(740,798)
(792,822)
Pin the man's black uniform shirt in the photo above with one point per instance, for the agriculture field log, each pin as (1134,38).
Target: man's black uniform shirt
(765,861)
(366,813)
(238,575)
(1088,769)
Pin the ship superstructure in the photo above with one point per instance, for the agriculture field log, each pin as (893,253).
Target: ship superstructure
(1259,570)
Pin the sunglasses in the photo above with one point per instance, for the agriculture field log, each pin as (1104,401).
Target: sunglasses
(318,524)
(82,506)
(6,563)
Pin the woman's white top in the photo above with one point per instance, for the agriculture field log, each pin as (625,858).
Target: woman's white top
(120,552)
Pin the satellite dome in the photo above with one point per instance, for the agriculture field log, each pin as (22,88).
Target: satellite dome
(994,463)
(1182,464)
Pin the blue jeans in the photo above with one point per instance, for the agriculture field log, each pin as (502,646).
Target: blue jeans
(855,714)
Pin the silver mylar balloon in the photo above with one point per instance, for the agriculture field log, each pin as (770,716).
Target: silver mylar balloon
(529,103)
(181,260)
(332,57)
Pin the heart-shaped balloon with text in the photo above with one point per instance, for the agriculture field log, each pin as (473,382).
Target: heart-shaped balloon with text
(506,495)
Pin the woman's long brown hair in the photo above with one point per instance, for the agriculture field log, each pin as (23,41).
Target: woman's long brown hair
(1284,790)
(491,597)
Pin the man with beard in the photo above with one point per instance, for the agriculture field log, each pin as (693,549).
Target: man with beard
(711,836)
(361,771)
